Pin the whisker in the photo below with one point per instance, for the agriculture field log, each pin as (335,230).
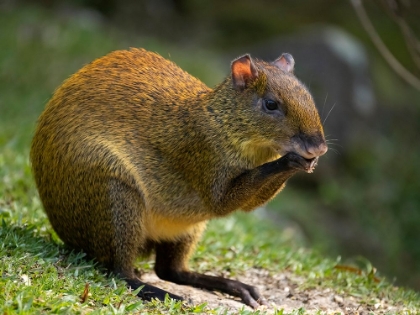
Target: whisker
(323,105)
(331,140)
(334,144)
(334,151)
(329,113)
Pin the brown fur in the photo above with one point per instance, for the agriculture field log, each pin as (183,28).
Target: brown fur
(132,154)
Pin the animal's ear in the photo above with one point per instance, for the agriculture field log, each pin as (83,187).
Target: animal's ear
(285,62)
(243,72)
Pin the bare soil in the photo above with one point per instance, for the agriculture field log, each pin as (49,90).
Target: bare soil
(282,292)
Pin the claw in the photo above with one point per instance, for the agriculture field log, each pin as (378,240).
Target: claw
(313,163)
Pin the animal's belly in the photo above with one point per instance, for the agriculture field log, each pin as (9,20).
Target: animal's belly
(158,227)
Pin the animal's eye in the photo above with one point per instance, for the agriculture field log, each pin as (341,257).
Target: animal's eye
(270,104)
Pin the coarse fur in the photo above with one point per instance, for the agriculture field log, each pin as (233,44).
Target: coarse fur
(133,154)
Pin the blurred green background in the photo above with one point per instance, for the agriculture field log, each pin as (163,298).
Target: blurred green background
(364,198)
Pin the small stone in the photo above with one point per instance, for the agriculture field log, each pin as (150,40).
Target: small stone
(25,279)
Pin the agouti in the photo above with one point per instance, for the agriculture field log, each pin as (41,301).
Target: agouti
(132,154)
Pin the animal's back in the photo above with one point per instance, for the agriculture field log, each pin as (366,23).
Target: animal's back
(123,84)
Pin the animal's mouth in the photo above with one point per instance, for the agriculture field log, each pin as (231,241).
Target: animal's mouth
(312,163)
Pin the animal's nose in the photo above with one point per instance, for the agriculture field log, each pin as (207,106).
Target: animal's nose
(310,146)
(316,150)
(313,151)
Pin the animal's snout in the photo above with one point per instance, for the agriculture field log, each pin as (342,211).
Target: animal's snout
(316,151)
(310,147)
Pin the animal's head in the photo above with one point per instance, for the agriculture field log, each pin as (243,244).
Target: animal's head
(281,113)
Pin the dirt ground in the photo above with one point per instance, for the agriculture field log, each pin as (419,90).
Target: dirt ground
(282,292)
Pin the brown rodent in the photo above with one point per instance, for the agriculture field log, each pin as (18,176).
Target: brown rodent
(132,154)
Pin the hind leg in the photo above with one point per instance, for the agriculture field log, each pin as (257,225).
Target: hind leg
(128,240)
(172,265)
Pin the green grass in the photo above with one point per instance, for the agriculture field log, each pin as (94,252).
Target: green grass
(38,274)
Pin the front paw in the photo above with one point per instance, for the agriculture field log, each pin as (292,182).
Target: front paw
(295,161)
